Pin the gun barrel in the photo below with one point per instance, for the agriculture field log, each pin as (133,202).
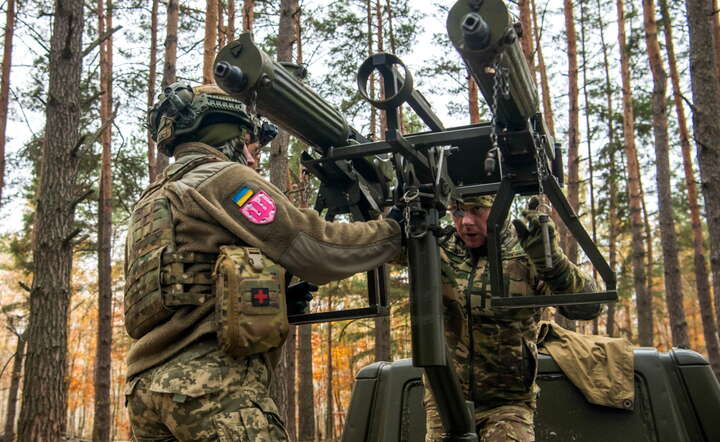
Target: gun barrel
(247,73)
(483,34)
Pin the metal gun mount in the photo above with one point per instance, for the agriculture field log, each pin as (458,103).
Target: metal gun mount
(511,155)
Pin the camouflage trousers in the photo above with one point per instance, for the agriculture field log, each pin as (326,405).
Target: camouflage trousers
(500,424)
(204,395)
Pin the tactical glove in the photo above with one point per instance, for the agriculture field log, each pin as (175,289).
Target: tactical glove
(298,297)
(539,239)
(541,246)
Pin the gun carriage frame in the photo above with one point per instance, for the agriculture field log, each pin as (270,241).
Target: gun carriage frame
(514,154)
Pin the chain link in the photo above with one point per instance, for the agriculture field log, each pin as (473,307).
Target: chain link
(493,108)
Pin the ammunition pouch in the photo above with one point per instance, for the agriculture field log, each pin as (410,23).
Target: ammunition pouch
(159,284)
(158,279)
(250,309)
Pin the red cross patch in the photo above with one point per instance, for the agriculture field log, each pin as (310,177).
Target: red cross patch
(260,297)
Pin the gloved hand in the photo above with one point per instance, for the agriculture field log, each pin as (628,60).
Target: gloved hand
(538,237)
(298,297)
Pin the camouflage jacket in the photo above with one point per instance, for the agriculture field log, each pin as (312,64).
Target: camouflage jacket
(204,201)
(497,360)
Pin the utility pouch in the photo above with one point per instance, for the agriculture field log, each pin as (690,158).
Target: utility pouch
(250,310)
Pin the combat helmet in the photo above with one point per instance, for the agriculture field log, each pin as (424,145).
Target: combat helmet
(182,111)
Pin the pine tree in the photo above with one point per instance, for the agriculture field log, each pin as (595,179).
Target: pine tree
(701,272)
(284,391)
(673,289)
(706,108)
(101,421)
(42,416)
(15,377)
(169,65)
(5,85)
(152,80)
(210,42)
(644,301)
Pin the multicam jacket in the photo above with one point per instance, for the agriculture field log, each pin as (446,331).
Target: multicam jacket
(497,360)
(204,201)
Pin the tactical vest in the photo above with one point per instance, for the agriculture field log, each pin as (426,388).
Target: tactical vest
(158,279)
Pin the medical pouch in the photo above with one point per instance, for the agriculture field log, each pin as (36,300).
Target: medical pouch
(250,310)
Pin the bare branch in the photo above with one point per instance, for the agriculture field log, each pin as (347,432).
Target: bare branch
(68,239)
(90,139)
(99,40)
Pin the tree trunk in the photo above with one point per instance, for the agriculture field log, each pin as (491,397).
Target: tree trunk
(230,29)
(644,302)
(329,417)
(306,394)
(103,358)
(588,137)
(284,391)
(544,83)
(152,80)
(613,228)
(573,178)
(248,15)
(306,388)
(473,104)
(706,100)
(716,35)
(382,338)
(169,66)
(9,433)
(221,29)
(211,24)
(380,48)
(668,237)
(42,416)
(102,421)
(371,51)
(5,86)
(526,39)
(701,272)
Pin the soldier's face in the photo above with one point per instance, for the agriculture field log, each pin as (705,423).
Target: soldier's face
(471,225)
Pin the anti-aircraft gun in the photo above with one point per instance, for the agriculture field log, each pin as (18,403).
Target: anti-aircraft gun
(513,154)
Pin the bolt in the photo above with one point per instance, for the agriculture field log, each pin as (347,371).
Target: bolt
(236,49)
(265,81)
(510,37)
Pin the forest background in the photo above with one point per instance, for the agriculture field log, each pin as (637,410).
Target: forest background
(617,81)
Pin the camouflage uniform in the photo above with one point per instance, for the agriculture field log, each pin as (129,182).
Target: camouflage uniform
(497,362)
(203,394)
(180,385)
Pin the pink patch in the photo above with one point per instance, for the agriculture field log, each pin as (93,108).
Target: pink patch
(260,209)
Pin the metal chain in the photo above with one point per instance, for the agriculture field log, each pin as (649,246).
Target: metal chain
(541,159)
(494,106)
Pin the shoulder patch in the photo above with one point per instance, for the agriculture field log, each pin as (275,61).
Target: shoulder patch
(258,207)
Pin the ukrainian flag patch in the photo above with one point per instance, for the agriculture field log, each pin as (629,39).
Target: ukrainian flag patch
(241,196)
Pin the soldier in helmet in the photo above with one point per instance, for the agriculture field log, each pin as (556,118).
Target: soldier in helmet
(207,249)
(494,352)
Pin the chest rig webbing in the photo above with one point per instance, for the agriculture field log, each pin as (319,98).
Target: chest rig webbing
(158,278)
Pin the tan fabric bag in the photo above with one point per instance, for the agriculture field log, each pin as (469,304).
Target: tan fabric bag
(250,308)
(603,368)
